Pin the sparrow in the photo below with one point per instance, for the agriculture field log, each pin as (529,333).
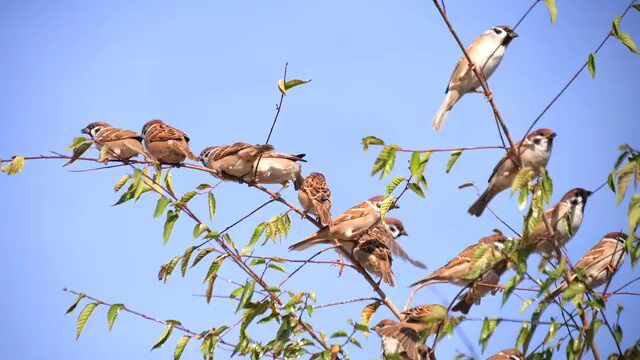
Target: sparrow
(459,270)
(232,162)
(315,197)
(600,263)
(122,144)
(565,219)
(165,143)
(346,227)
(404,337)
(375,257)
(485,52)
(533,152)
(277,168)
(508,354)
(481,286)
(390,345)
(395,229)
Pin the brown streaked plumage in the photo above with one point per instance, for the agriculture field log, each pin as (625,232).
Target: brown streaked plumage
(232,161)
(457,270)
(375,257)
(315,197)
(534,152)
(403,337)
(121,144)
(600,263)
(165,143)
(480,287)
(508,354)
(277,168)
(565,219)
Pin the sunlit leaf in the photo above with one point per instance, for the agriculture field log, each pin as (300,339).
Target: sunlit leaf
(172,217)
(14,166)
(180,345)
(417,189)
(78,151)
(591,65)
(161,205)
(185,260)
(553,10)
(455,154)
(198,229)
(215,266)
(247,292)
(488,327)
(75,303)
(371,140)
(212,206)
(112,314)
(84,316)
(163,337)
(123,180)
(394,184)
(76,142)
(201,255)
(295,82)
(168,182)
(418,163)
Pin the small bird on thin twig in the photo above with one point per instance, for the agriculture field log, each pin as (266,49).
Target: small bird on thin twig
(122,144)
(165,143)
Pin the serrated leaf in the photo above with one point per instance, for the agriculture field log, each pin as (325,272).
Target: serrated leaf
(75,303)
(215,266)
(161,205)
(553,10)
(76,142)
(295,82)
(84,316)
(366,314)
(198,229)
(201,255)
(123,180)
(394,184)
(418,163)
(385,205)
(417,189)
(180,345)
(455,154)
(172,217)
(78,151)
(112,314)
(212,206)
(488,327)
(185,260)
(163,337)
(247,292)
(385,161)
(371,140)
(591,65)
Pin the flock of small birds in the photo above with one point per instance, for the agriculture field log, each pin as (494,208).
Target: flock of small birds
(370,239)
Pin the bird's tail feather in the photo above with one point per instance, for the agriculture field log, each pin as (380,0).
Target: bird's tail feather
(450,99)
(478,207)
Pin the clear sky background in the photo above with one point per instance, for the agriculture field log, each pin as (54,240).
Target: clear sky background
(210,68)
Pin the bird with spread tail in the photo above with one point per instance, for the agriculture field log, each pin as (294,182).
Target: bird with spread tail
(165,143)
(120,144)
(486,53)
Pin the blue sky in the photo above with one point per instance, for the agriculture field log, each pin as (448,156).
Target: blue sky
(210,68)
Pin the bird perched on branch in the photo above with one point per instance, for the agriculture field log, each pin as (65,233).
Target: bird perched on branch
(277,168)
(565,219)
(232,161)
(347,226)
(486,53)
(508,354)
(486,283)
(534,153)
(403,337)
(121,144)
(165,143)
(315,197)
(469,264)
(599,264)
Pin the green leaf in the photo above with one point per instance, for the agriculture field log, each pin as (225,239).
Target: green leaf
(172,217)
(488,327)
(123,180)
(553,10)
(636,6)
(204,187)
(455,154)
(386,205)
(140,184)
(78,151)
(112,314)
(417,189)
(295,82)
(14,166)
(76,142)
(277,267)
(591,65)
(185,260)
(163,337)
(161,206)
(247,292)
(624,37)
(75,303)
(394,184)
(180,345)
(168,182)
(522,335)
(186,198)
(522,179)
(126,196)
(418,163)
(525,304)
(371,140)
(201,255)
(523,196)
(215,266)
(385,161)
(553,328)
(212,206)
(339,334)
(84,316)
(611,181)
(198,229)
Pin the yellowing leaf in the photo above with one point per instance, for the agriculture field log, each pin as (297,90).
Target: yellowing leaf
(123,180)
(367,313)
(553,10)
(76,142)
(182,343)
(371,140)
(281,87)
(295,82)
(15,166)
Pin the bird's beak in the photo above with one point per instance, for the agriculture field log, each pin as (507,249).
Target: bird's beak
(404,233)
(588,193)
(514,34)
(85,131)
(553,135)
(395,206)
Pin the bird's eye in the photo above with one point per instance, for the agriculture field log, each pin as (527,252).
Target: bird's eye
(536,141)
(497,31)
